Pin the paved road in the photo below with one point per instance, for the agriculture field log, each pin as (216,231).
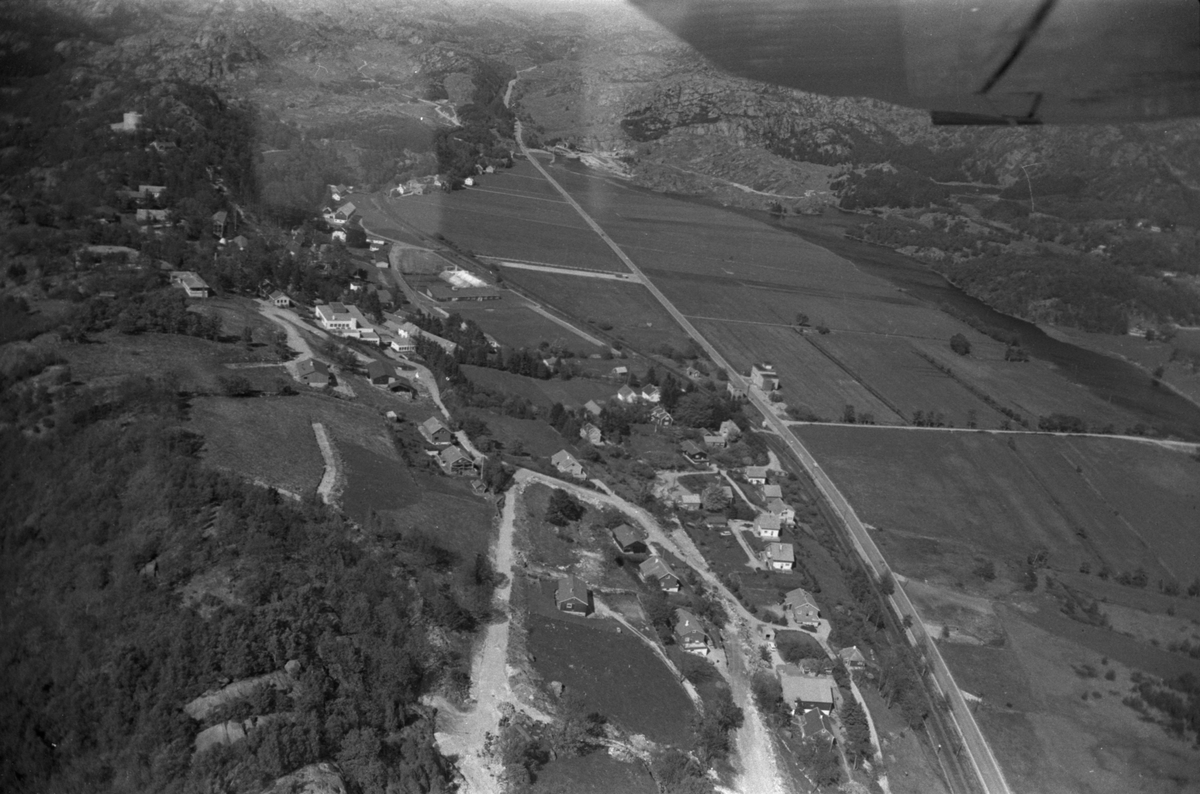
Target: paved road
(975,745)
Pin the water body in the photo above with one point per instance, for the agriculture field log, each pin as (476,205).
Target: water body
(1110,378)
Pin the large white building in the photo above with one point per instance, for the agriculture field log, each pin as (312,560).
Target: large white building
(345,320)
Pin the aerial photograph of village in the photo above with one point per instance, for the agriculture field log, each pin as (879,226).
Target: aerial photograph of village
(600,396)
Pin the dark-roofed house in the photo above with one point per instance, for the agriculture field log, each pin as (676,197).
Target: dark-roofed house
(695,453)
(454,461)
(803,608)
(313,373)
(714,441)
(436,432)
(690,633)
(817,726)
(380,373)
(566,463)
(573,595)
(656,570)
(630,540)
(853,658)
(780,556)
(803,692)
(280,299)
(345,212)
(781,510)
(220,223)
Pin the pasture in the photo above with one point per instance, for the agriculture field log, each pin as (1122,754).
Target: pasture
(513,323)
(571,393)
(936,498)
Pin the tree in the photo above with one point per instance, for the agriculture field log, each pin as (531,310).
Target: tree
(714,498)
(247,336)
(801,319)
(960,344)
(858,732)
(848,414)
(563,508)
(235,386)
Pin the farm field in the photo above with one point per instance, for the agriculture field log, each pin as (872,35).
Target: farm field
(613,673)
(937,498)
(571,393)
(809,380)
(513,323)
(513,213)
(635,316)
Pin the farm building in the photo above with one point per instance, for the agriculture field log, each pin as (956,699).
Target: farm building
(313,373)
(566,463)
(192,285)
(690,633)
(630,540)
(656,571)
(380,374)
(764,377)
(435,432)
(572,595)
(454,461)
(803,608)
(780,556)
(695,453)
(803,692)
(766,527)
(446,294)
(756,475)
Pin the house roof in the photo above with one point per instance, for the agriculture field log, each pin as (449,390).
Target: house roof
(798,686)
(451,455)
(799,598)
(692,448)
(767,521)
(852,654)
(814,722)
(571,587)
(729,427)
(220,216)
(310,365)
(277,294)
(773,491)
(377,368)
(432,425)
(778,506)
(656,567)
(651,391)
(626,535)
(658,411)
(562,457)
(686,623)
(714,438)
(625,391)
(781,552)
(756,472)
(593,407)
(347,209)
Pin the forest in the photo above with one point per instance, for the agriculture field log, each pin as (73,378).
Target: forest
(134,580)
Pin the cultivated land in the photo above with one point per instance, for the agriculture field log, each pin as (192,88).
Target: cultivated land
(513,214)
(571,393)
(512,322)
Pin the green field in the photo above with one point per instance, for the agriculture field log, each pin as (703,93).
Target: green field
(513,323)
(571,393)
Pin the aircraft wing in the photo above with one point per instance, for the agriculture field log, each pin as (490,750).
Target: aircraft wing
(967,61)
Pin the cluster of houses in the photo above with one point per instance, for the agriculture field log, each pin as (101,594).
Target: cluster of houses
(452,458)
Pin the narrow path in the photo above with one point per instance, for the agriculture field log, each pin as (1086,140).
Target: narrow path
(332,476)
(560,321)
(566,271)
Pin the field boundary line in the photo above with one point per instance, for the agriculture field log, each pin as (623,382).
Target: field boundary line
(858,379)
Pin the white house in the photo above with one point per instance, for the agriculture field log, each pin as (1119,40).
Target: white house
(781,510)
(764,377)
(780,556)
(566,463)
(766,527)
(756,475)
(652,394)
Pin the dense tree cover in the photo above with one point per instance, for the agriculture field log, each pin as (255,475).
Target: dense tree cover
(134,579)
(562,508)
(1093,293)
(486,125)
(890,187)
(463,392)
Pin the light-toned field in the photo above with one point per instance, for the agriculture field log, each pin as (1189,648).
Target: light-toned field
(513,323)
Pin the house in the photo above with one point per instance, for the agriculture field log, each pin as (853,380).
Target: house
(152,216)
(656,571)
(192,285)
(772,491)
(781,510)
(280,299)
(566,463)
(766,527)
(714,441)
(593,408)
(241,241)
(803,692)
(652,394)
(313,373)
(661,416)
(402,341)
(803,608)
(755,475)
(592,434)
(853,658)
(730,430)
(693,373)
(694,452)
(690,633)
(780,556)
(691,501)
(380,373)
(817,726)
(716,524)
(572,595)
(764,377)
(129,123)
(627,395)
(630,540)
(337,191)
(456,462)
(435,432)
(344,213)
(735,389)
(151,191)
(221,224)
(621,372)
(403,389)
